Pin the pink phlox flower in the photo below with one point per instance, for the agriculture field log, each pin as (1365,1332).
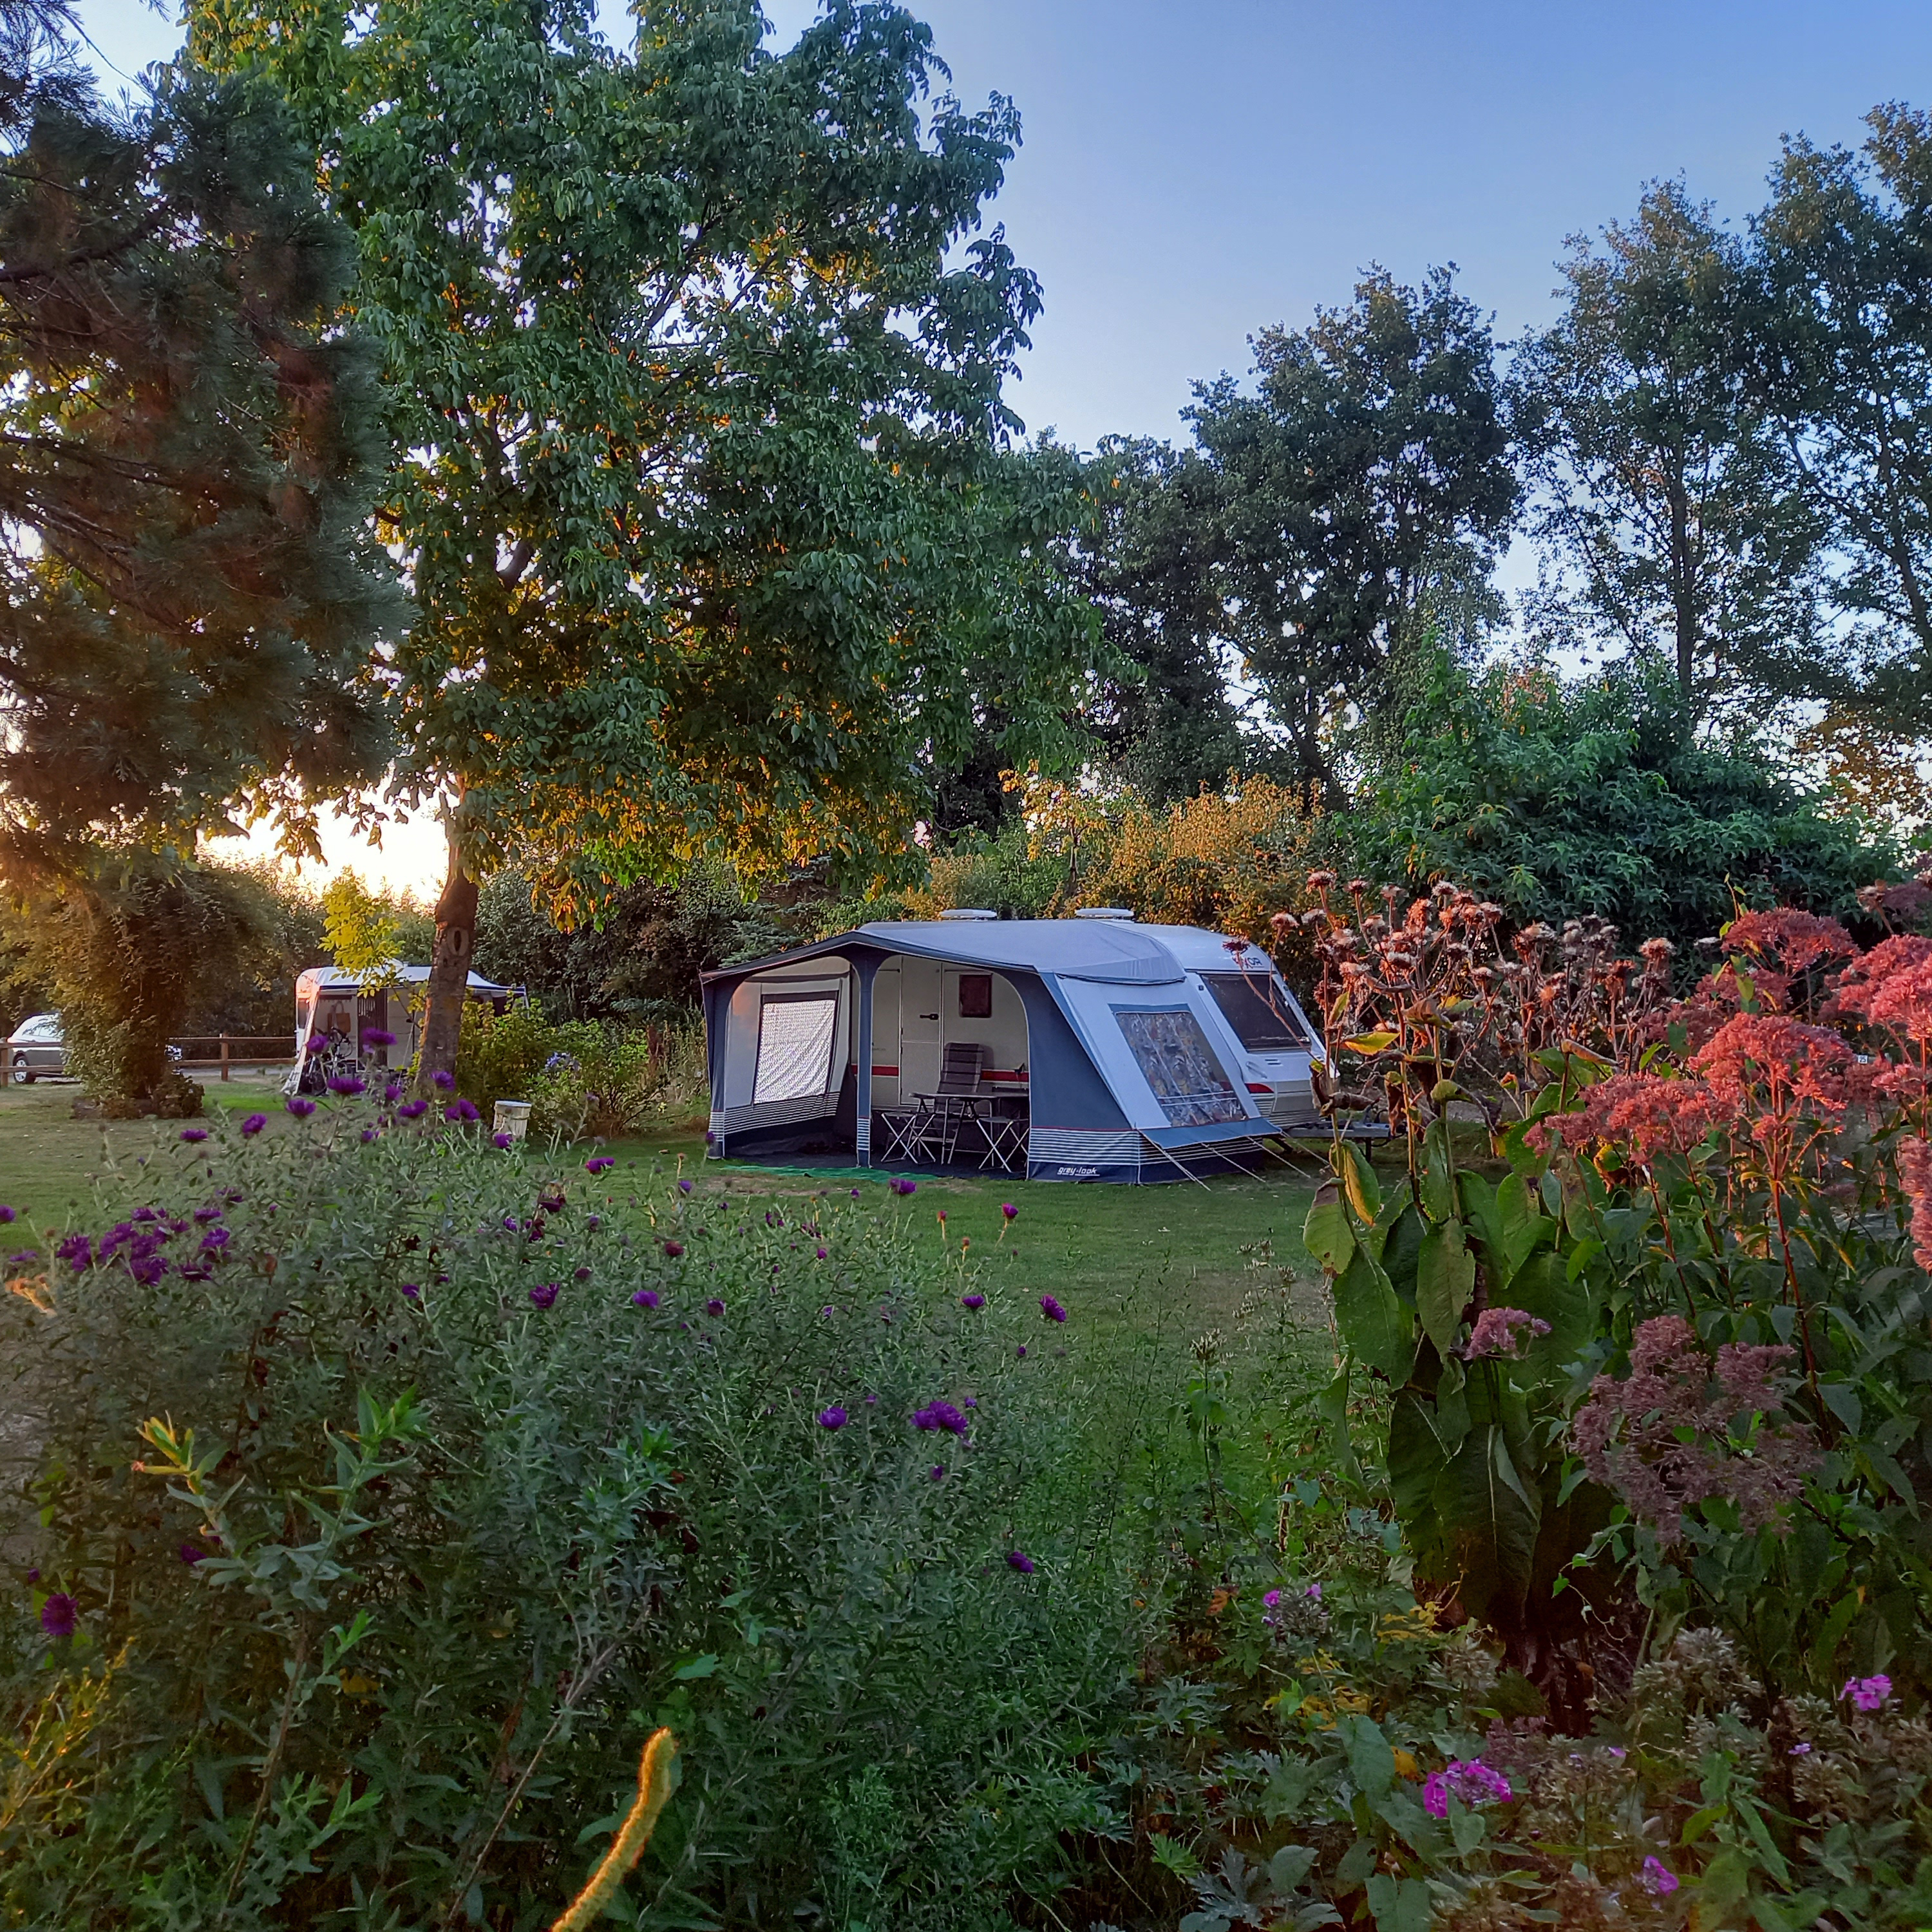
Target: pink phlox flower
(1657,1878)
(1867,1693)
(1469,1781)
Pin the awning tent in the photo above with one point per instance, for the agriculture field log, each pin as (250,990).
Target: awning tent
(1105,1050)
(331,1003)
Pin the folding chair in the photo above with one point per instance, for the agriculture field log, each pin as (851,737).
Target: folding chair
(940,1113)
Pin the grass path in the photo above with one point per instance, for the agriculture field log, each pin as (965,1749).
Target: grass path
(1170,1260)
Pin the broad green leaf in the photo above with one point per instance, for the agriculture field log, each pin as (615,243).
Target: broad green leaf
(1399,1904)
(1439,1173)
(1416,1455)
(1359,1182)
(1445,1275)
(1491,1524)
(1371,1758)
(1380,1333)
(1401,1241)
(1369,1042)
(1328,1235)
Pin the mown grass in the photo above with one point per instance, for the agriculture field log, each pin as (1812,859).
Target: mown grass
(1169,1260)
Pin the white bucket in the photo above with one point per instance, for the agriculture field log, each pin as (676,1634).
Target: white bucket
(513,1118)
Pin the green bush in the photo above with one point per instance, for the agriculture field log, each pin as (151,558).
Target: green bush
(397,1487)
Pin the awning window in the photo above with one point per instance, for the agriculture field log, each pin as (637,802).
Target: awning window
(795,1040)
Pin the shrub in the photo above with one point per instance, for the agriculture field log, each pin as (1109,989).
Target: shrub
(396,1488)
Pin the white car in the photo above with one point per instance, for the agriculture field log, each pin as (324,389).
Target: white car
(36,1046)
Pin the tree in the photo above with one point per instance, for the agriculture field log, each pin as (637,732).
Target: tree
(188,442)
(1843,367)
(1166,720)
(716,543)
(1362,489)
(1653,478)
(1555,798)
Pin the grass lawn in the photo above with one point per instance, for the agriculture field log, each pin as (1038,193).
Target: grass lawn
(1170,1259)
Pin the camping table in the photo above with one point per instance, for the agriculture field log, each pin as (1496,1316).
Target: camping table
(1006,1138)
(949,1111)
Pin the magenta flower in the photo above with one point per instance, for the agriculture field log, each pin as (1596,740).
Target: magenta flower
(1052,1309)
(645,1298)
(411,1292)
(1021,1561)
(940,1415)
(375,1037)
(1272,1600)
(464,1111)
(975,1302)
(253,1124)
(1314,1590)
(904,1187)
(194,1133)
(684,1187)
(1007,1208)
(412,1110)
(1502,1331)
(1657,1878)
(673,1250)
(834,1417)
(1867,1693)
(190,1554)
(939,1472)
(598,1163)
(8,1216)
(501,1140)
(302,1106)
(714,1306)
(822,1253)
(58,1614)
(444,1078)
(346,1084)
(1469,1781)
(544,1293)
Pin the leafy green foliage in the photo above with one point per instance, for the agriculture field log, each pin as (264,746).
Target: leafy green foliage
(1555,799)
(192,444)
(459,1546)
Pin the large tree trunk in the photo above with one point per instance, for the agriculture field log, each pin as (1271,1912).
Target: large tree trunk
(449,971)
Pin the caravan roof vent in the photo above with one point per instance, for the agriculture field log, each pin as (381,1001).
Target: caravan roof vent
(1105,912)
(968,912)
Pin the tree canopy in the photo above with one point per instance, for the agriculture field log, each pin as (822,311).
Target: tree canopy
(188,445)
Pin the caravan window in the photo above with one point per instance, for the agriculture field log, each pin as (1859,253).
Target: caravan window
(795,1039)
(1183,1069)
(1255,1006)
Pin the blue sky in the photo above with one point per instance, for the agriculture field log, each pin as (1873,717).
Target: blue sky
(1194,172)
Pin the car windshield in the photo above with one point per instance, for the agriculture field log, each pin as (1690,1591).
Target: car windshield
(42,1026)
(1258,1009)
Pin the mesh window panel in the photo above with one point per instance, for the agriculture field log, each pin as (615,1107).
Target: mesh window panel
(1250,1006)
(1181,1066)
(795,1047)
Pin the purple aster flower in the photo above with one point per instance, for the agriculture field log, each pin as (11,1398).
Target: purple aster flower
(1007,1209)
(544,1293)
(598,1163)
(23,1257)
(940,1415)
(8,1216)
(1867,1693)
(714,1306)
(501,1140)
(346,1084)
(444,1078)
(645,1298)
(148,1270)
(368,1134)
(412,1110)
(1052,1309)
(975,1302)
(1657,1878)
(834,1417)
(684,1187)
(375,1037)
(192,1134)
(57,1615)
(301,1105)
(673,1250)
(1021,1561)
(972,1402)
(253,1125)
(210,1213)
(77,1251)
(393,1092)
(190,1554)
(822,1253)
(215,1240)
(411,1292)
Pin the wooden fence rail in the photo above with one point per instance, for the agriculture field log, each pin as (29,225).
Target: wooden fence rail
(236,1049)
